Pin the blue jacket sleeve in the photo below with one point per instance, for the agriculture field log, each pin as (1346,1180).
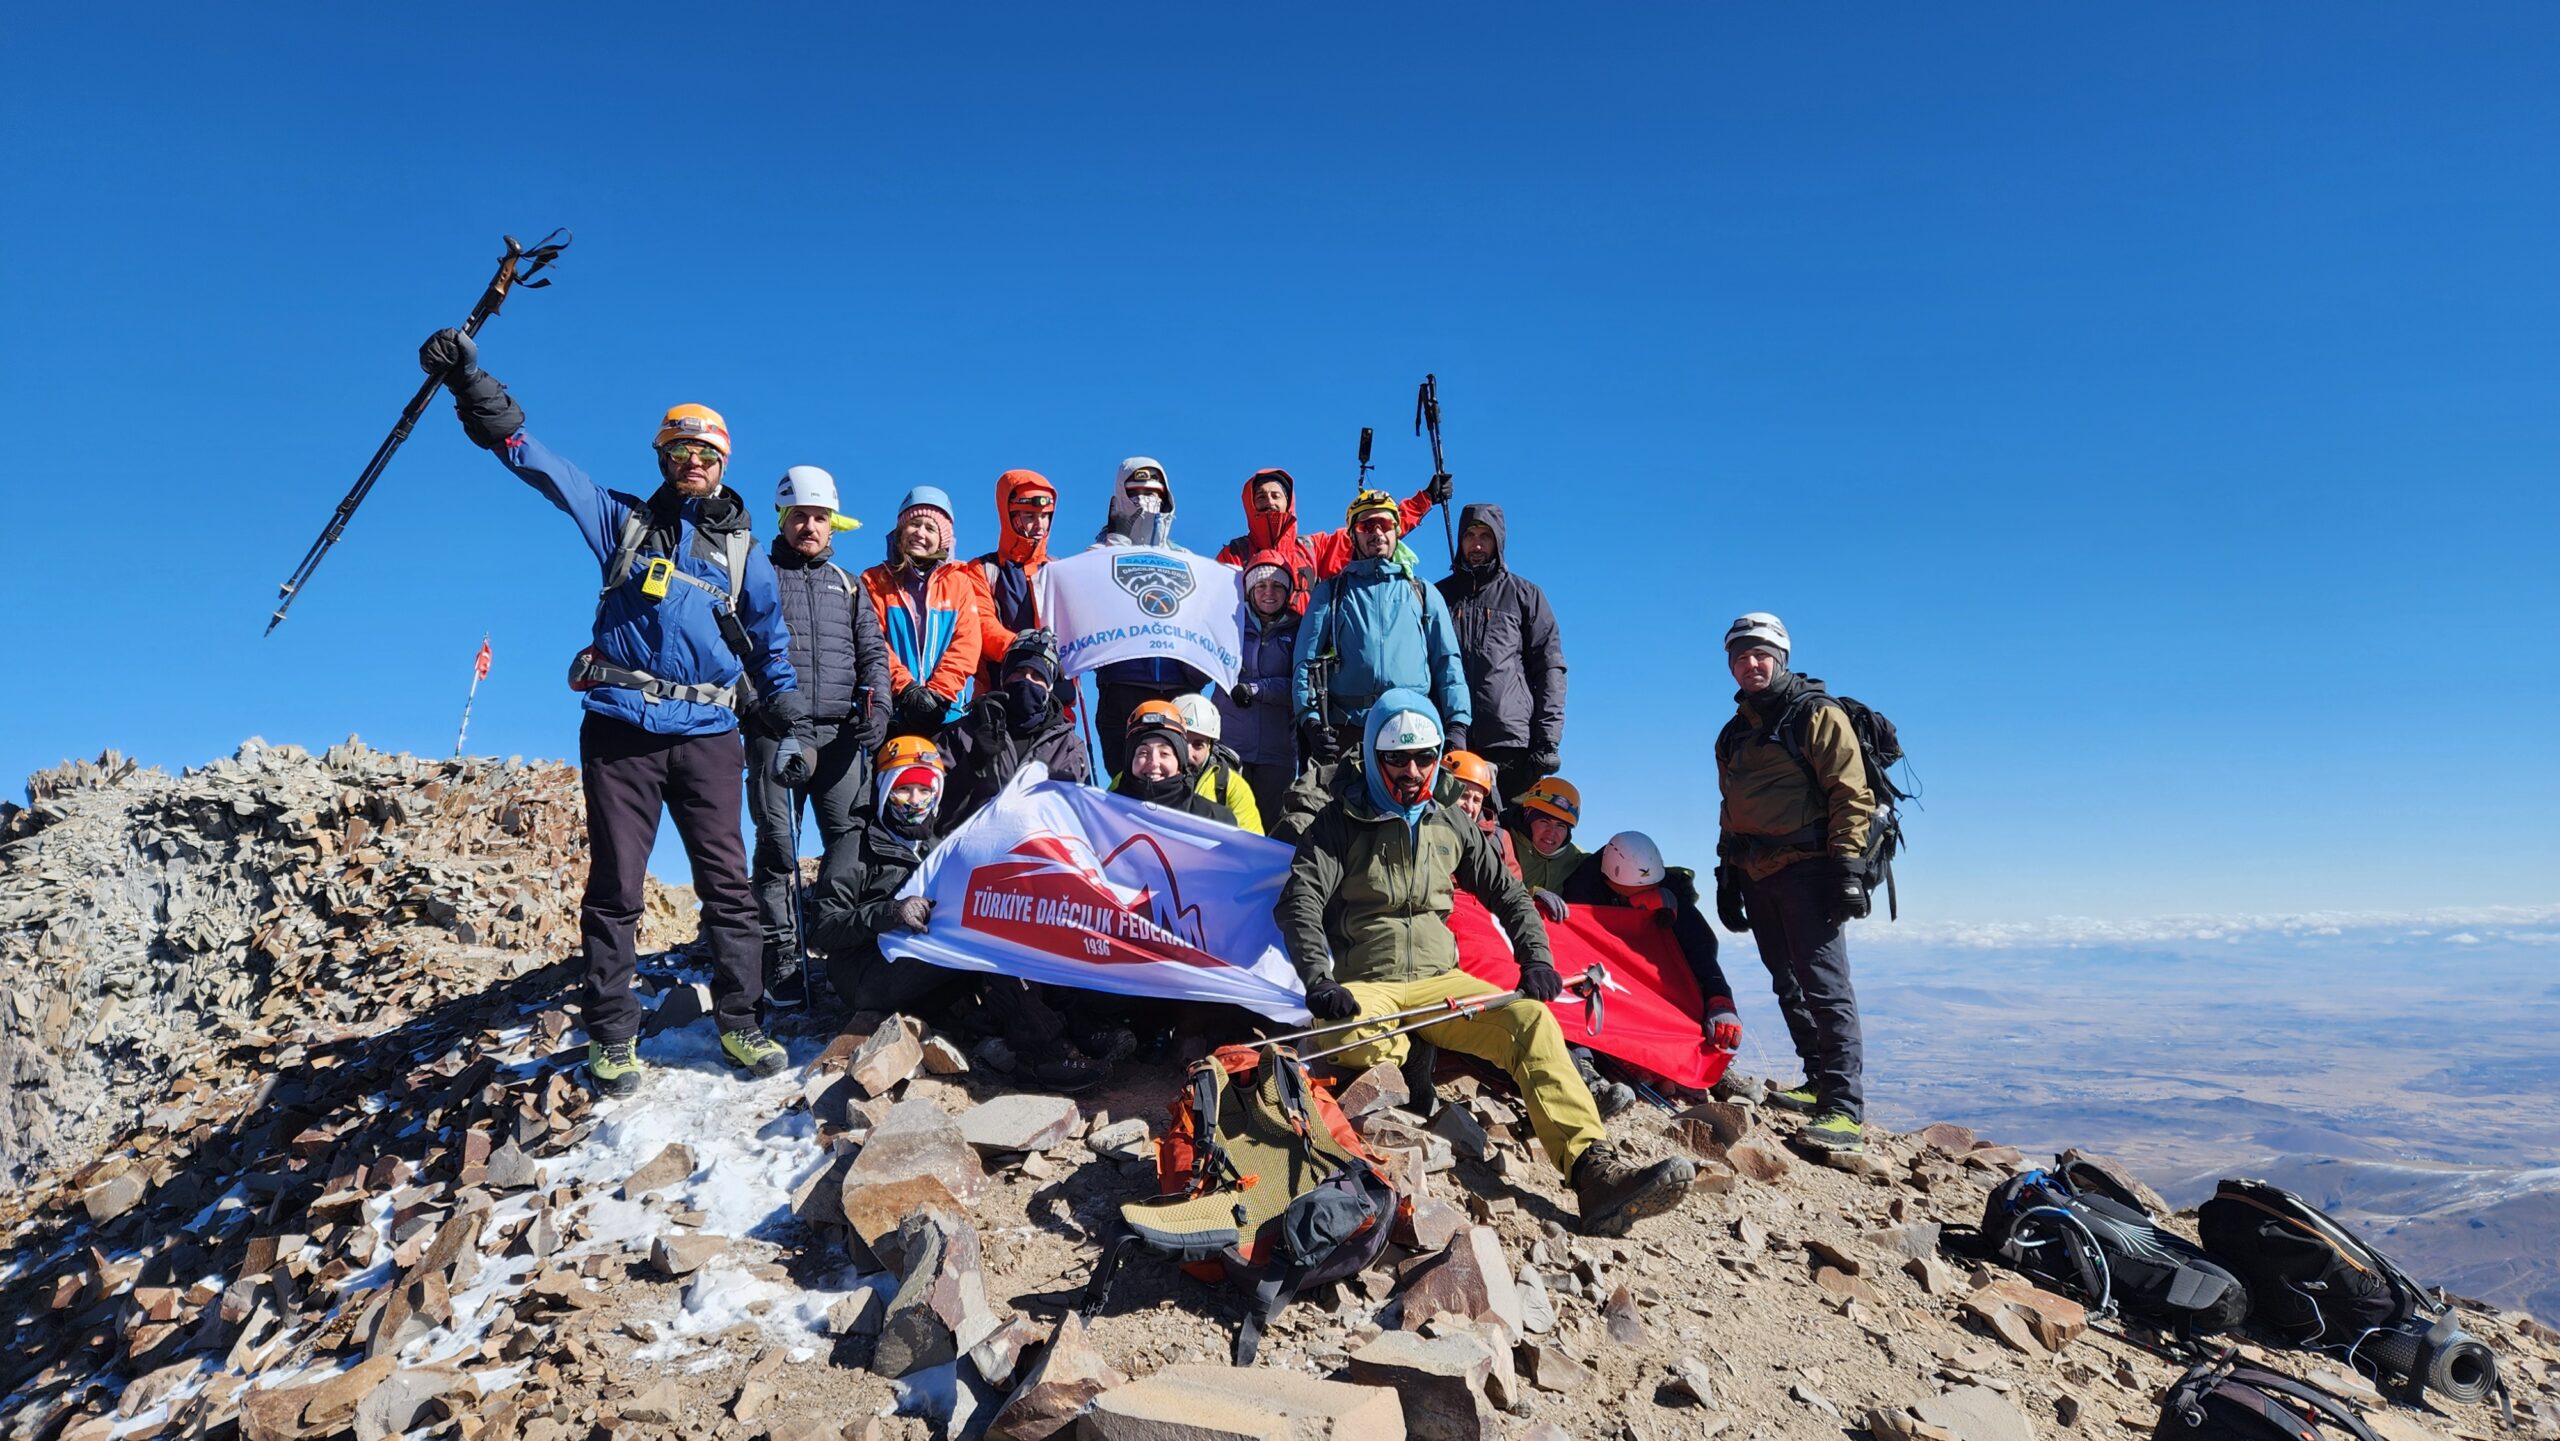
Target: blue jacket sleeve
(1311,629)
(760,609)
(1448,667)
(598,514)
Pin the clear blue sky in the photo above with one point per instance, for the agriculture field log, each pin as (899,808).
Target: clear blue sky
(2156,413)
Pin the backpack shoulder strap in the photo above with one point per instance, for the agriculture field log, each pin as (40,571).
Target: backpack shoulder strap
(1796,727)
(626,548)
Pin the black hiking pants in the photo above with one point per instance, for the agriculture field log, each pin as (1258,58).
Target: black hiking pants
(1512,773)
(628,774)
(835,792)
(1808,959)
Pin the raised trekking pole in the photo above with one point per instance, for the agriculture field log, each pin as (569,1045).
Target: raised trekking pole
(1426,415)
(516,268)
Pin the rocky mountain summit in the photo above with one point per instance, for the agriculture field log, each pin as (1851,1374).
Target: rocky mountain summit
(297,1149)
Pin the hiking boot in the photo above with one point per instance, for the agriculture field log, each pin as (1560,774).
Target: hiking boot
(614,1066)
(1614,1193)
(754,1052)
(1835,1131)
(1110,1045)
(1799,1099)
(786,981)
(1066,1073)
(1612,1097)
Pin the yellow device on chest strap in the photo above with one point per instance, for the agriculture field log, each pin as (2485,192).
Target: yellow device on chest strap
(654,584)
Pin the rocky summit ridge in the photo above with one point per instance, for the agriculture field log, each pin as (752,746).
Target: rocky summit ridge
(296,1149)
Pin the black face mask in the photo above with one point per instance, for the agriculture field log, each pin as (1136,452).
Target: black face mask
(1164,792)
(1026,702)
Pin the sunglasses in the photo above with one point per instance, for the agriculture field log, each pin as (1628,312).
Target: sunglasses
(1375,524)
(693,450)
(1407,760)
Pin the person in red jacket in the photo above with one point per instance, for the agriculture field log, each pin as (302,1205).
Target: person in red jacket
(1271,523)
(1010,574)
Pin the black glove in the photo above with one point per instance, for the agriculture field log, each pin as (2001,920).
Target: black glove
(1244,692)
(919,706)
(786,713)
(1729,900)
(1539,981)
(488,414)
(791,762)
(1848,900)
(1457,739)
(1545,761)
(1441,488)
(1328,1001)
(1316,739)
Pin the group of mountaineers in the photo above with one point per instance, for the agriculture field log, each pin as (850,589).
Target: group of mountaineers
(1405,737)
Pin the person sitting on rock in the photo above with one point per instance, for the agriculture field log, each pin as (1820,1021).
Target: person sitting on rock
(1023,718)
(1629,872)
(1221,777)
(1542,823)
(1365,915)
(1159,750)
(1021,1036)
(1474,779)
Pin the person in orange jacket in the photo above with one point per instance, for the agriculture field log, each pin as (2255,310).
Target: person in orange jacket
(1025,504)
(932,612)
(1271,523)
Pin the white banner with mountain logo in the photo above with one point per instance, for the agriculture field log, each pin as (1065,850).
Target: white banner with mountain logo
(1116,603)
(1067,885)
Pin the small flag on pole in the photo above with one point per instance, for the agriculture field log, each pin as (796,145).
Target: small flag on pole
(479,673)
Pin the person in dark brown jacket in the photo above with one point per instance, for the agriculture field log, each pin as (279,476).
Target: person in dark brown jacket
(1796,815)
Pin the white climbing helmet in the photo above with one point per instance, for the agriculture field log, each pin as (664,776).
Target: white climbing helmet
(1631,862)
(1199,717)
(808,485)
(1756,630)
(1409,730)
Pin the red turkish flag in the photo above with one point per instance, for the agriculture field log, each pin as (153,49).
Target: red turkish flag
(480,662)
(1654,1017)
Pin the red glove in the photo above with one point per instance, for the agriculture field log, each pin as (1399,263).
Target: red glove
(1724,1028)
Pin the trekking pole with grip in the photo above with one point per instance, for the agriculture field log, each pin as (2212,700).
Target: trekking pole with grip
(515,268)
(1426,418)
(1590,986)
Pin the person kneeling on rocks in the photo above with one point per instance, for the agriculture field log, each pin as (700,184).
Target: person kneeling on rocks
(1365,914)
(1022,1037)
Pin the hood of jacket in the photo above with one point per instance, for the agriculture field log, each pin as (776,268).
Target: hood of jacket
(1488,515)
(1277,530)
(1128,525)
(1394,702)
(1012,549)
(1297,592)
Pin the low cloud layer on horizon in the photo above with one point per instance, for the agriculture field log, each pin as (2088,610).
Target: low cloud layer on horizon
(2471,925)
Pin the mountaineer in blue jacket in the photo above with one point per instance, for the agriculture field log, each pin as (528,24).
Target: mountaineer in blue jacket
(1374,628)
(688,634)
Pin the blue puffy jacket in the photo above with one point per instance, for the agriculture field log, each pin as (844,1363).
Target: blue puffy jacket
(676,639)
(1391,631)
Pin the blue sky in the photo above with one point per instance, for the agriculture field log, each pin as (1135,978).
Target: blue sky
(2153,413)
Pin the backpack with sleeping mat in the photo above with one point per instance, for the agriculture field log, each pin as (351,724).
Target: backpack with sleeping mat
(1261,1181)
(2078,1229)
(2223,1400)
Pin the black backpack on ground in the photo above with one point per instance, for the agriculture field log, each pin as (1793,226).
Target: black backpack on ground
(2225,1401)
(2314,1284)
(2074,1228)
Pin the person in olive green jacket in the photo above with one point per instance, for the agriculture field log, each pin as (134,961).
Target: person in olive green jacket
(1797,811)
(1365,914)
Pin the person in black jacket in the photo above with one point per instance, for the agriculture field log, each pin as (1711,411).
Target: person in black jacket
(1513,652)
(1160,768)
(1020,1035)
(1023,719)
(1629,871)
(843,667)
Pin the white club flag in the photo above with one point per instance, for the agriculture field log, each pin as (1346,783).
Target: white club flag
(1115,603)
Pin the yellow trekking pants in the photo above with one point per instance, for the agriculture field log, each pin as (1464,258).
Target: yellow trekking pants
(1522,1038)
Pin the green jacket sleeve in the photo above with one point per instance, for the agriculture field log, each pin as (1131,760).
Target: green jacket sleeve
(1482,875)
(1315,873)
(1831,748)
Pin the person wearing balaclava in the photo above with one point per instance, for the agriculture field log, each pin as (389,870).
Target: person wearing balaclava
(856,919)
(1141,514)
(1365,917)
(1797,808)
(1024,717)
(687,631)
(929,609)
(1026,504)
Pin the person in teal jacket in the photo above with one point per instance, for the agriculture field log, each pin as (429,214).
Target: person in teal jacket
(688,632)
(1374,628)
